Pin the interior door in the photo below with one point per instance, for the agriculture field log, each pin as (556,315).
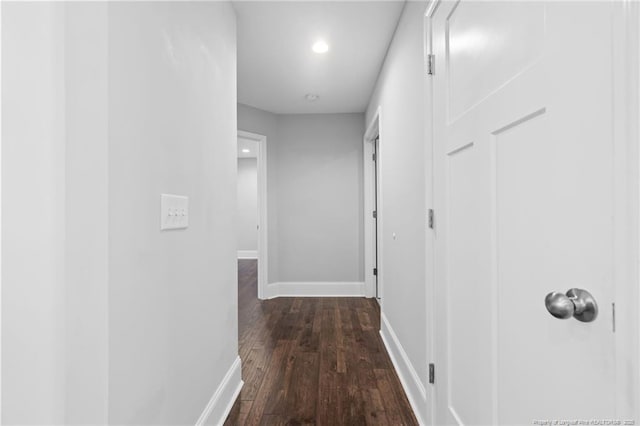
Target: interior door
(376,141)
(523,154)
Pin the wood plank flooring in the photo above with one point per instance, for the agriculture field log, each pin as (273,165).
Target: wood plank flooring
(313,361)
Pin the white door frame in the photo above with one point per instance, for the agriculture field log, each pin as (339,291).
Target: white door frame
(262,210)
(626,188)
(430,287)
(373,131)
(0,226)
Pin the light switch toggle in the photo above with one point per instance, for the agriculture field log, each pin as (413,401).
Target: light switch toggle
(174,211)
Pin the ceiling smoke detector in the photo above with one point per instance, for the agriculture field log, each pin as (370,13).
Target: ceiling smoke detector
(311,97)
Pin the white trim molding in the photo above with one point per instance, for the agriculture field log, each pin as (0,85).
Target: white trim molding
(247,254)
(262,254)
(315,289)
(626,197)
(220,404)
(0,226)
(409,378)
(369,140)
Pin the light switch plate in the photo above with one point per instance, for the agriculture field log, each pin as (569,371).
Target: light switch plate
(174,211)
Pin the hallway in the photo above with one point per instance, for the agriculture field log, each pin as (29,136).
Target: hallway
(346,212)
(313,361)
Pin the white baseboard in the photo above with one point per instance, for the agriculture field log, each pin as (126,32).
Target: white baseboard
(220,404)
(410,380)
(315,289)
(247,254)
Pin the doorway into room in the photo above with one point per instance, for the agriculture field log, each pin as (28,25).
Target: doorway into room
(372,213)
(252,204)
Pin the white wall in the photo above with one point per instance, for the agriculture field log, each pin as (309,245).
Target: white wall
(33,223)
(86,237)
(248,204)
(405,182)
(105,106)
(172,129)
(315,194)
(320,197)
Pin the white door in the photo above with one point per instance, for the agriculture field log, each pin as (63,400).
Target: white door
(523,168)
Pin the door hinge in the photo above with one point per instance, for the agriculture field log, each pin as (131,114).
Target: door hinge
(375,271)
(375,214)
(432,373)
(373,156)
(431,218)
(431,64)
(613,317)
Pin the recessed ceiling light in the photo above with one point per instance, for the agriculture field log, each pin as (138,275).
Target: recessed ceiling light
(311,97)
(246,151)
(320,46)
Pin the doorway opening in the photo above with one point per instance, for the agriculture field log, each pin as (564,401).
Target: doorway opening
(252,203)
(372,213)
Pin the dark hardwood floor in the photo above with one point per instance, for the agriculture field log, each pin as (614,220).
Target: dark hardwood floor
(309,361)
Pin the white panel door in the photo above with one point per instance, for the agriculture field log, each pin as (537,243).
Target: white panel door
(523,155)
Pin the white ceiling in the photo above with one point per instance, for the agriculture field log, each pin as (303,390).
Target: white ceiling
(252,146)
(277,68)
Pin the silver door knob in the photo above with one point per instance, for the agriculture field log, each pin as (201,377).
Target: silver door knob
(577,303)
